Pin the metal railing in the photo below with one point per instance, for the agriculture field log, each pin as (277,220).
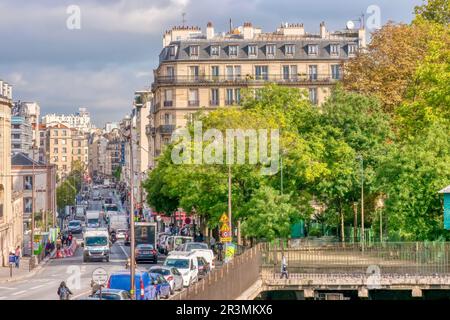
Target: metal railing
(228,281)
(390,257)
(166,128)
(168,103)
(247,79)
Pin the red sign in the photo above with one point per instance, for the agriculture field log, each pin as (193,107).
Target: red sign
(187,220)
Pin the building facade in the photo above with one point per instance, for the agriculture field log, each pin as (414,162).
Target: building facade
(80,120)
(209,70)
(59,149)
(9,236)
(80,147)
(26,172)
(21,135)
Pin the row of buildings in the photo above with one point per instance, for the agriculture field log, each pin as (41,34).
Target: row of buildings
(208,70)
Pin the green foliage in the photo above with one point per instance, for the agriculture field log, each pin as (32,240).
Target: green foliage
(434,10)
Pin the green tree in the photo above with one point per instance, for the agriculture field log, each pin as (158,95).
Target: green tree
(434,10)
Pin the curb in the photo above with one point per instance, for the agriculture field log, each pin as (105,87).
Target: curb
(30,273)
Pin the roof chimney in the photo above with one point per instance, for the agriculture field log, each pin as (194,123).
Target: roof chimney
(248,30)
(209,31)
(323,30)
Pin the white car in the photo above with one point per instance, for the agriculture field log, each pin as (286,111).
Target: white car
(172,276)
(187,265)
(200,249)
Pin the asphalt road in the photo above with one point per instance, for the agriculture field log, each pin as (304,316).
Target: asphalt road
(72,270)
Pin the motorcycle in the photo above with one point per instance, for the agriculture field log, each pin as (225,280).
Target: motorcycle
(113,237)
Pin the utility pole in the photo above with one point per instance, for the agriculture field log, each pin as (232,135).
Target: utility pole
(362,204)
(33,203)
(229,201)
(132,242)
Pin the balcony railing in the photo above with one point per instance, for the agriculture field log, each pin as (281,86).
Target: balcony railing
(247,79)
(193,103)
(214,102)
(168,103)
(166,128)
(149,130)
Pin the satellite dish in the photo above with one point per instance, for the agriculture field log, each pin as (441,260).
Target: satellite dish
(350,25)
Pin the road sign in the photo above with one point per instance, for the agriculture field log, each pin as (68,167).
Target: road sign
(100,276)
(224,219)
(224,227)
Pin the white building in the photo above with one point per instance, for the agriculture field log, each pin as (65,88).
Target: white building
(80,120)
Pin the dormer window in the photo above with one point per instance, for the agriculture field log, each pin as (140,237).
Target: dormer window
(233,51)
(215,51)
(253,50)
(271,49)
(194,50)
(352,49)
(289,49)
(334,49)
(313,49)
(172,51)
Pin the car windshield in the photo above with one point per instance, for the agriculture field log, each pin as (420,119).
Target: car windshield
(108,296)
(111,208)
(192,246)
(93,221)
(74,223)
(164,272)
(177,263)
(96,241)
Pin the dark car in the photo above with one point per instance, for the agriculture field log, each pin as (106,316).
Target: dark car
(146,252)
(162,286)
(75,226)
(203,267)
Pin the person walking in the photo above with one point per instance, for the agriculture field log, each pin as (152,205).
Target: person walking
(284,271)
(69,239)
(63,291)
(17,255)
(212,243)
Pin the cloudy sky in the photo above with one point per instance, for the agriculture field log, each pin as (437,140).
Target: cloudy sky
(113,54)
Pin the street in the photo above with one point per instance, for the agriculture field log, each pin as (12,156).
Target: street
(77,274)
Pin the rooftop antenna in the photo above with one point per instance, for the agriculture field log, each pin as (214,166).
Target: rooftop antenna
(231,26)
(183,15)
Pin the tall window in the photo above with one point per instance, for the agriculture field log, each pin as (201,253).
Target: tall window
(352,49)
(55,150)
(252,50)
(167,119)
(233,72)
(55,141)
(290,72)
(64,150)
(28,182)
(215,51)
(335,72)
(233,51)
(55,133)
(229,99)
(312,72)
(313,95)
(334,49)
(170,72)
(215,71)
(313,49)
(172,51)
(2,200)
(214,97)
(194,50)
(271,49)
(28,205)
(289,49)
(193,97)
(233,96)
(193,72)
(168,97)
(262,72)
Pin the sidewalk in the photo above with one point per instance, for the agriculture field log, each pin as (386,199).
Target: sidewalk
(22,272)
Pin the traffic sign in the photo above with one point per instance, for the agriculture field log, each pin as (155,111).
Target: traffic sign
(224,227)
(224,218)
(100,276)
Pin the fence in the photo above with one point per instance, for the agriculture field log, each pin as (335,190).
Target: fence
(228,281)
(393,258)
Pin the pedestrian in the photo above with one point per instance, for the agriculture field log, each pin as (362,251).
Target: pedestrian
(95,287)
(63,291)
(219,250)
(17,255)
(284,271)
(200,237)
(69,239)
(212,243)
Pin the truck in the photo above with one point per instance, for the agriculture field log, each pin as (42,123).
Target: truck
(118,223)
(93,219)
(96,245)
(145,233)
(80,212)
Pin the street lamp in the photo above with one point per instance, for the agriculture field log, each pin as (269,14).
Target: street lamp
(33,203)
(361,159)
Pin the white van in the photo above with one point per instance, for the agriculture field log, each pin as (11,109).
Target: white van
(93,219)
(201,249)
(186,263)
(96,245)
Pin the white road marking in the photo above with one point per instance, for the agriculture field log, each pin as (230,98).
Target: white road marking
(123,250)
(20,292)
(36,287)
(7,288)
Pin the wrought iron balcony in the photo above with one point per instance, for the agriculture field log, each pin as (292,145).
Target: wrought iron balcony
(166,128)
(193,103)
(168,103)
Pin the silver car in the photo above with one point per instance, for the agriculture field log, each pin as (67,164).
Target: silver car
(172,276)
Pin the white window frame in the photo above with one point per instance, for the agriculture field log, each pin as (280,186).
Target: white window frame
(290,51)
(252,47)
(230,52)
(193,52)
(337,47)
(313,52)
(213,48)
(271,49)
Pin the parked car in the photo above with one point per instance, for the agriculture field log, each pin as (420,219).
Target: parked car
(75,226)
(171,274)
(146,252)
(203,267)
(112,294)
(143,286)
(201,249)
(186,263)
(161,284)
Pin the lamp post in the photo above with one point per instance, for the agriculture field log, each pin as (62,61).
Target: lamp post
(361,159)
(33,203)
